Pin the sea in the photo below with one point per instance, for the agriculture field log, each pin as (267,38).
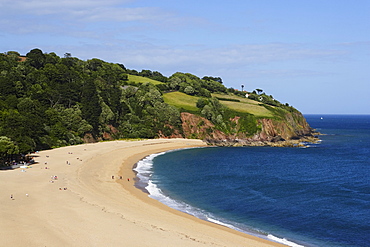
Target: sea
(318,195)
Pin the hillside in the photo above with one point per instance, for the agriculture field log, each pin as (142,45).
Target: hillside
(47,101)
(140,80)
(244,105)
(182,101)
(243,121)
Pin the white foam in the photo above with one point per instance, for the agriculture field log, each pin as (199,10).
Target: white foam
(283,241)
(144,167)
(222,223)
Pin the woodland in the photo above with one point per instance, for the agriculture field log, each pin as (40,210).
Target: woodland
(47,101)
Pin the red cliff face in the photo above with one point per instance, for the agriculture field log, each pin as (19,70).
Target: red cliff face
(292,126)
(195,126)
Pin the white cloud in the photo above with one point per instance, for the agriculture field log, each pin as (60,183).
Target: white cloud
(231,56)
(85,10)
(122,14)
(70,16)
(45,7)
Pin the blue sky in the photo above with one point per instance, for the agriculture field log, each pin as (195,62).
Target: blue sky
(314,55)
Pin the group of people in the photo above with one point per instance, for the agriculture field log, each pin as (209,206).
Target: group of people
(120,177)
(19,161)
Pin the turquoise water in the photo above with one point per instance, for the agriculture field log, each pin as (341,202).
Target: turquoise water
(314,196)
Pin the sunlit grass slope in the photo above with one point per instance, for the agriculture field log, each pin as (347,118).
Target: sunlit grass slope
(140,79)
(245,105)
(181,100)
(187,102)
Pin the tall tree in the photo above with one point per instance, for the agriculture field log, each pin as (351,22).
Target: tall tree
(7,147)
(36,58)
(91,109)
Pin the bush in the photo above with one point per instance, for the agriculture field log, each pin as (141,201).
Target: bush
(189,90)
(201,103)
(227,99)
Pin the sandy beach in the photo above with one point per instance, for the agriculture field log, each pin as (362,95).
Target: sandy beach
(69,198)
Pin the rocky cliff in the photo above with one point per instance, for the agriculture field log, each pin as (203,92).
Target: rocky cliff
(291,129)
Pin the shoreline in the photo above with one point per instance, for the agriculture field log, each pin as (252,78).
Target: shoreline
(93,209)
(300,142)
(142,185)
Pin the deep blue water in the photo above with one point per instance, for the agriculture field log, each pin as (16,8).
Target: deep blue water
(314,196)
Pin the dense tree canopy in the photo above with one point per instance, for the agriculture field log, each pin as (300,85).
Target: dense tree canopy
(48,101)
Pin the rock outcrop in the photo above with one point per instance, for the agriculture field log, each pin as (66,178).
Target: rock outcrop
(289,131)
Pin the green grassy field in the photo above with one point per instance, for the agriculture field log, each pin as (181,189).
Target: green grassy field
(140,79)
(187,102)
(245,105)
(181,100)
(244,100)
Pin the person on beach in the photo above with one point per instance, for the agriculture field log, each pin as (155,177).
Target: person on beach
(11,197)
(112,177)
